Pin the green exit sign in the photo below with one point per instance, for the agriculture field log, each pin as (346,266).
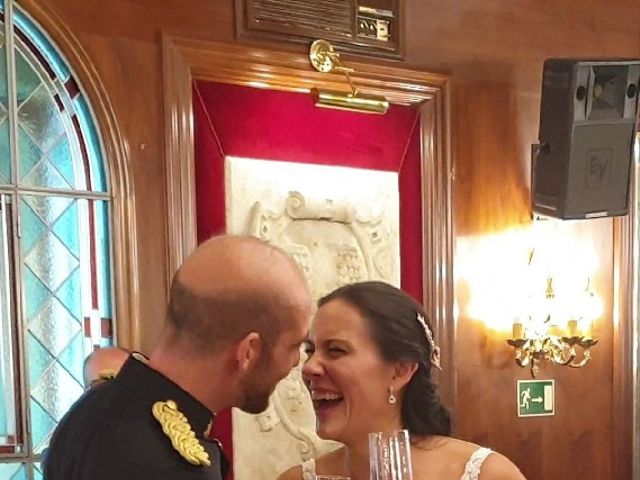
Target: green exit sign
(536,398)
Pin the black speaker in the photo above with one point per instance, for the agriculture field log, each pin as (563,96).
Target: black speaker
(582,165)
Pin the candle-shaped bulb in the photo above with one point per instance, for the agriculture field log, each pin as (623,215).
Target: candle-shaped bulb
(518,330)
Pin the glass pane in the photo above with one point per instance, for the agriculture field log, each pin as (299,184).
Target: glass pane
(42,426)
(8,373)
(28,152)
(5,152)
(5,155)
(13,471)
(62,148)
(99,319)
(67,295)
(37,472)
(45,156)
(60,157)
(27,79)
(104,258)
(92,143)
(44,46)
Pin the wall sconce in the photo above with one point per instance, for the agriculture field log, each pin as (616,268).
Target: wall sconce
(324,59)
(545,339)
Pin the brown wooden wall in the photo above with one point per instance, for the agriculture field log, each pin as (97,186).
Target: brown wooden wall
(494,50)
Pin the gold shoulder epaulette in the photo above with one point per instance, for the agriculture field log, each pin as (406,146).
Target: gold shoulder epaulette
(107,374)
(177,428)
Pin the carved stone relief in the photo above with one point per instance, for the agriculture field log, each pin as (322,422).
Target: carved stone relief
(341,225)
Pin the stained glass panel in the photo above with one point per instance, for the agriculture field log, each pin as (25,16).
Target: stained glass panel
(13,471)
(69,293)
(28,152)
(35,293)
(72,357)
(5,152)
(92,141)
(66,229)
(61,158)
(57,119)
(48,208)
(42,425)
(40,118)
(40,41)
(26,79)
(5,155)
(63,246)
(67,237)
(104,263)
(32,227)
(37,472)
(39,358)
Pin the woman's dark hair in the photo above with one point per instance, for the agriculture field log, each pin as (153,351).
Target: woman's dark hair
(392,317)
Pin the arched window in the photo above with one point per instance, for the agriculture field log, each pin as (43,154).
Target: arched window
(55,274)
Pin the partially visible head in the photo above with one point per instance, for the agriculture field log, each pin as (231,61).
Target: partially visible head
(245,297)
(367,342)
(102,364)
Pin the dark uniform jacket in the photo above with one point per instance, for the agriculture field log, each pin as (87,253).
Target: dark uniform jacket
(112,434)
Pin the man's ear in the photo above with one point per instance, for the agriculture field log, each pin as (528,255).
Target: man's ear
(248,351)
(402,373)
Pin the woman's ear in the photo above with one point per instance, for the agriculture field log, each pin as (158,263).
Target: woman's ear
(403,372)
(248,351)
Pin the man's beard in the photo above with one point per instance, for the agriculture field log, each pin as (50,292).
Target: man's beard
(257,390)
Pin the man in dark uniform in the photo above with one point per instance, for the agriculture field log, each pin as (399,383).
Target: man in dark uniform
(238,311)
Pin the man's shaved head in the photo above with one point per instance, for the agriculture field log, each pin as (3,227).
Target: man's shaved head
(231,286)
(102,363)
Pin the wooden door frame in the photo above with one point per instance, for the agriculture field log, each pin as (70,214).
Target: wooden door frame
(240,64)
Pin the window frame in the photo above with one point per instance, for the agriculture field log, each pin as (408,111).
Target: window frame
(17,192)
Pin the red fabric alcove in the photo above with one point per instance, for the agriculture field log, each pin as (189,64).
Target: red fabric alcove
(272,125)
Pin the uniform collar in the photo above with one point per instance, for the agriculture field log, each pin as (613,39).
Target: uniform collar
(149,384)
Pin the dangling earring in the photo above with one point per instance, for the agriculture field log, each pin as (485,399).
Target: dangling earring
(392,397)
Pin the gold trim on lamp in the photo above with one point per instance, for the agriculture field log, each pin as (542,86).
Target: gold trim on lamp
(346,101)
(324,59)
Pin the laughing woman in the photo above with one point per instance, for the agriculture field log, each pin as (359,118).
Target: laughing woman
(371,354)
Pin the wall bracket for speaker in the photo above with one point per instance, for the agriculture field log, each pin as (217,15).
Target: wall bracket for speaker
(536,149)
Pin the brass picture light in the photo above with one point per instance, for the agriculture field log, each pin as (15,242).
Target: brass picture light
(325,59)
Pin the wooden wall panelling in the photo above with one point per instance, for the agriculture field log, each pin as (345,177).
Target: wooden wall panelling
(491,199)
(128,66)
(179,155)
(626,388)
(623,343)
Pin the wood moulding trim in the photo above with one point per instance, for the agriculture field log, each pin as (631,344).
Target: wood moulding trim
(123,221)
(625,396)
(185,60)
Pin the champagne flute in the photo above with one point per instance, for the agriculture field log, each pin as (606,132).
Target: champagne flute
(390,456)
